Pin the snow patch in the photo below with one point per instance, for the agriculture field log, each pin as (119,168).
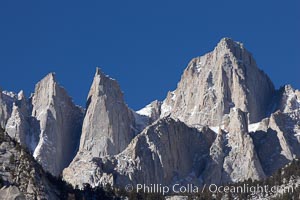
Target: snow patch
(253,127)
(198,66)
(9,98)
(10,94)
(146,111)
(214,128)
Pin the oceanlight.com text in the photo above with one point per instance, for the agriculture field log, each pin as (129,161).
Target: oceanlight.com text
(212,188)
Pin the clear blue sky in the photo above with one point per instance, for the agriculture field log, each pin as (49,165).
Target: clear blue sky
(145,45)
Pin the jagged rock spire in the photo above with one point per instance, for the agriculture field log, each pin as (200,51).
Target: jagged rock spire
(107,126)
(59,125)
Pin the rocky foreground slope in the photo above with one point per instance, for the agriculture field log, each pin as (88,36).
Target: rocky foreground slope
(225,122)
(20,175)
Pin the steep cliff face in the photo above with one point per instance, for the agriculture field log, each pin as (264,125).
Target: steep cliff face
(289,102)
(164,152)
(212,84)
(168,152)
(242,162)
(233,155)
(277,137)
(276,141)
(108,125)
(59,122)
(48,124)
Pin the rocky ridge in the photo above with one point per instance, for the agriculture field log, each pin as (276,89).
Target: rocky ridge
(159,154)
(224,92)
(225,122)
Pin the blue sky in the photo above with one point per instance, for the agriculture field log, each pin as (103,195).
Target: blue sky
(145,45)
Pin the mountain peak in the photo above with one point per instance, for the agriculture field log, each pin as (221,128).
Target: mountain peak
(59,125)
(224,78)
(228,42)
(101,83)
(101,74)
(106,99)
(50,77)
(98,71)
(47,88)
(21,95)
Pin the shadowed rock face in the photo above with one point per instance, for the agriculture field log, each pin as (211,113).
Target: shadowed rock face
(108,125)
(276,141)
(59,122)
(6,103)
(212,84)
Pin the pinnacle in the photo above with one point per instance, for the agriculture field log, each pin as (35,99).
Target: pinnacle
(98,71)
(21,95)
(101,74)
(229,43)
(50,77)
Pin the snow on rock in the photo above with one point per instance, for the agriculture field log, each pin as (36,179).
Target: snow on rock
(152,110)
(253,127)
(146,111)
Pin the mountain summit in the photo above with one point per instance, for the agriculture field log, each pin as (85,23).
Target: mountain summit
(214,83)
